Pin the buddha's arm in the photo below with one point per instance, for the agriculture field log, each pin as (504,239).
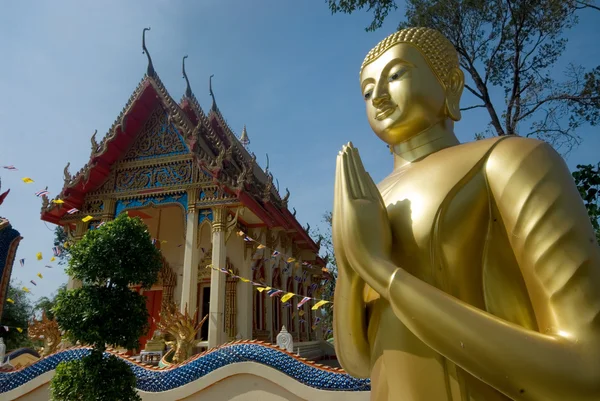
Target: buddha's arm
(553,241)
(349,318)
(350,325)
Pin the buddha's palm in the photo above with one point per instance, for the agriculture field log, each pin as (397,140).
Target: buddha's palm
(363,228)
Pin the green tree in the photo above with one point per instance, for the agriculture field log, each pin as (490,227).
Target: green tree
(587,178)
(46,304)
(15,315)
(513,46)
(104,310)
(329,288)
(60,241)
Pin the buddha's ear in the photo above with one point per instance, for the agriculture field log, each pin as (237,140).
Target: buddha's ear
(456,84)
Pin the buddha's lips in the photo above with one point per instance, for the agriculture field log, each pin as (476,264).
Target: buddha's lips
(385,111)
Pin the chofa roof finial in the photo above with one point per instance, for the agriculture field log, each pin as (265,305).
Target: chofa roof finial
(150,71)
(214,103)
(188,88)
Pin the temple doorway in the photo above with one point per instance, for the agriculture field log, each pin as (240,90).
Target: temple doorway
(153,304)
(203,308)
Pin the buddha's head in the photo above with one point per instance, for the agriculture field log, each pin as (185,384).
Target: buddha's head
(411,81)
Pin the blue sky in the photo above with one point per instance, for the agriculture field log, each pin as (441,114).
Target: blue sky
(286,69)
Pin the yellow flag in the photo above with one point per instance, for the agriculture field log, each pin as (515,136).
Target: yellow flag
(38,256)
(240,233)
(52,259)
(287,297)
(58,201)
(164,241)
(300,312)
(267,288)
(10,300)
(86,219)
(260,246)
(27,180)
(319,304)
(261,289)
(20,330)
(40,275)
(293,314)
(290,260)
(26,289)
(245,280)
(314,327)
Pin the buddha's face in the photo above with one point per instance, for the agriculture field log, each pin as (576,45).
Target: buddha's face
(402,94)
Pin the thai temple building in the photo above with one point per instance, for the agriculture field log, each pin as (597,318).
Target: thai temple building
(231,249)
(207,203)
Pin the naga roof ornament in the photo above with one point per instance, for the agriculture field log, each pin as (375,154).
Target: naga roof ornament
(188,88)
(150,71)
(212,94)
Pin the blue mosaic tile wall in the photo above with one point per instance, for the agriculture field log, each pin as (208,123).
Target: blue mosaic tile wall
(163,380)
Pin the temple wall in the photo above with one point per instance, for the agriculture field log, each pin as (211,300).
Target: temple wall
(237,382)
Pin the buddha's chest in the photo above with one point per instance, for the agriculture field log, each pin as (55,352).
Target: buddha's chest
(438,215)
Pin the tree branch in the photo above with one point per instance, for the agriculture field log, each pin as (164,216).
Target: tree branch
(585,4)
(474,92)
(472,107)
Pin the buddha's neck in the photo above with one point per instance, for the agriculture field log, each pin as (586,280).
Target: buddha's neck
(434,138)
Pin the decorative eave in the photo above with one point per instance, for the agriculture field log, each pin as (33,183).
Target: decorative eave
(253,185)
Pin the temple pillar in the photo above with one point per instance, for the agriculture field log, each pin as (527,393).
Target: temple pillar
(216,322)
(189,285)
(108,209)
(81,228)
(245,292)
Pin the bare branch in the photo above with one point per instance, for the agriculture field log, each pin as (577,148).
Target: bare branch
(472,107)
(585,4)
(474,92)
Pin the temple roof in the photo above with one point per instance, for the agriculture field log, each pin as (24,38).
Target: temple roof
(209,140)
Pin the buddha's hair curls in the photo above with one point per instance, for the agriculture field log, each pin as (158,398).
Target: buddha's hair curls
(437,50)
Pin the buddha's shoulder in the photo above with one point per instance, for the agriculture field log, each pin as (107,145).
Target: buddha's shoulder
(505,150)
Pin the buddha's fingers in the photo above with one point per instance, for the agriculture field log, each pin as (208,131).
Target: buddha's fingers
(358,171)
(350,184)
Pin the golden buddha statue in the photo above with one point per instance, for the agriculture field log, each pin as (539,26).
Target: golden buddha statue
(472,271)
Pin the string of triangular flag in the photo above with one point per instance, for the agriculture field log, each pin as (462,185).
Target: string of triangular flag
(275,292)
(45,192)
(7,328)
(287,258)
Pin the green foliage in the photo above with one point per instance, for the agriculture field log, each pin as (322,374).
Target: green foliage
(512,46)
(327,246)
(94,378)
(105,310)
(99,315)
(587,178)
(380,8)
(117,254)
(60,240)
(16,315)
(46,304)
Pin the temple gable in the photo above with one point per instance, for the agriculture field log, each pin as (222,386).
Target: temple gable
(157,138)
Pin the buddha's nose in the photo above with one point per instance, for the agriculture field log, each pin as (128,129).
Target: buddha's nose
(380,100)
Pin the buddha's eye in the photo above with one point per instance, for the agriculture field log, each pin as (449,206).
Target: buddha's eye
(396,75)
(368,95)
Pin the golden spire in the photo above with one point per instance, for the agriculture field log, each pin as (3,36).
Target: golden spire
(244,139)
